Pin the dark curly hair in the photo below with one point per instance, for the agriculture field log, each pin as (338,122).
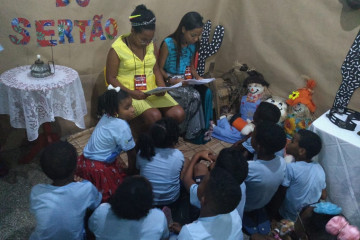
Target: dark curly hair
(108,103)
(270,136)
(223,190)
(133,199)
(58,161)
(310,141)
(233,161)
(163,134)
(145,15)
(266,112)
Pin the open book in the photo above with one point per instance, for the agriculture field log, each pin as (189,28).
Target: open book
(163,89)
(199,82)
(189,81)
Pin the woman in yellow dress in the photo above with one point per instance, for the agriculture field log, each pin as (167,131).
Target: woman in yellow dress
(131,65)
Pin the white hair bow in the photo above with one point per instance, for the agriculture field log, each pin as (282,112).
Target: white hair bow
(110,87)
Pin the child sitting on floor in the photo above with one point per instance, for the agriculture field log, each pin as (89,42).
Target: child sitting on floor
(264,112)
(100,163)
(129,214)
(160,162)
(229,159)
(266,172)
(219,195)
(305,179)
(236,129)
(60,207)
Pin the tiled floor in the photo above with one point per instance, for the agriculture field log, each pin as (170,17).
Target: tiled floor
(16,222)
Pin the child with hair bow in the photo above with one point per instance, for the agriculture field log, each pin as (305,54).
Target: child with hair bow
(100,163)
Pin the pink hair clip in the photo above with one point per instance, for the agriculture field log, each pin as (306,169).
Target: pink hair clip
(340,227)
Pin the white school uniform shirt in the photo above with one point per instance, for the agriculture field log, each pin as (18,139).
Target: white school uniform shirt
(110,137)
(60,211)
(163,172)
(106,225)
(262,182)
(305,182)
(219,227)
(194,200)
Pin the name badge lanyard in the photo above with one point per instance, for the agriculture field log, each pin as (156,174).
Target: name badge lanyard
(128,43)
(139,80)
(135,62)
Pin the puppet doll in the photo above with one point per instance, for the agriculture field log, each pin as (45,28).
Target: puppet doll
(280,102)
(301,109)
(257,91)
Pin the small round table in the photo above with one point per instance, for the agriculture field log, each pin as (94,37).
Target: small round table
(31,101)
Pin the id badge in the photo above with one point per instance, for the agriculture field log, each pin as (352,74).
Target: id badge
(140,82)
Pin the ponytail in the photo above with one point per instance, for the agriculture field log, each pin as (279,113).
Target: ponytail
(163,134)
(108,102)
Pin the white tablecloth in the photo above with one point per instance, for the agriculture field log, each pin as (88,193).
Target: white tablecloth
(31,101)
(340,158)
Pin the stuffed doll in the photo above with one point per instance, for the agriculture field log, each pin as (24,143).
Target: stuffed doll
(257,90)
(224,131)
(280,102)
(301,109)
(283,229)
(233,83)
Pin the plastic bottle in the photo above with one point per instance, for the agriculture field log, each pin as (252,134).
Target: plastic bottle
(188,73)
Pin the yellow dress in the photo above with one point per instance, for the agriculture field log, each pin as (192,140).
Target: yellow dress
(126,74)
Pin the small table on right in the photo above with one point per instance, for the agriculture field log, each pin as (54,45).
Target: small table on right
(340,158)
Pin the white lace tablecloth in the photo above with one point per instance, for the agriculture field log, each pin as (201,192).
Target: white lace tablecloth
(31,101)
